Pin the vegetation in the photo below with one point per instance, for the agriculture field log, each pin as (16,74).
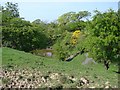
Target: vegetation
(96,74)
(20,34)
(72,34)
(104,36)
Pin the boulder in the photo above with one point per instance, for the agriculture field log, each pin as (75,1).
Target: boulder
(88,60)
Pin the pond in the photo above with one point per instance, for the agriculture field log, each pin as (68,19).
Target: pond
(43,52)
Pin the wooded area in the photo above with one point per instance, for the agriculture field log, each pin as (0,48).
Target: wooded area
(70,52)
(70,33)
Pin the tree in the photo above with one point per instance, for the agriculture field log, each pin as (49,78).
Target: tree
(24,38)
(37,21)
(103,40)
(72,17)
(71,21)
(8,12)
(19,23)
(20,34)
(12,8)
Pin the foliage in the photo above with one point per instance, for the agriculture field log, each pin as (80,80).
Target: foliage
(49,29)
(72,26)
(40,24)
(103,40)
(8,12)
(12,8)
(68,44)
(19,23)
(53,32)
(61,51)
(21,34)
(75,36)
(72,17)
(100,36)
(25,38)
(72,20)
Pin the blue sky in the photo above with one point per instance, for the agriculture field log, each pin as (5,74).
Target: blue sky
(50,11)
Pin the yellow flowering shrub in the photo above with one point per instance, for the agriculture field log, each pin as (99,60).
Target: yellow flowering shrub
(76,33)
(75,36)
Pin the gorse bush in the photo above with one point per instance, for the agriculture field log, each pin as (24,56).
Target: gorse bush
(68,44)
(75,37)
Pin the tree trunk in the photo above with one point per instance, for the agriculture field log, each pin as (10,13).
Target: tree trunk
(106,63)
(73,56)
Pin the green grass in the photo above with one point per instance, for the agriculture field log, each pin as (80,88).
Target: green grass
(0,56)
(96,73)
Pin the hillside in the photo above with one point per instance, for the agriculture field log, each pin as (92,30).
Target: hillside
(95,74)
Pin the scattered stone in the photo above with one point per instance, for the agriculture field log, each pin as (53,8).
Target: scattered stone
(83,81)
(107,86)
(107,83)
(54,76)
(24,78)
(92,87)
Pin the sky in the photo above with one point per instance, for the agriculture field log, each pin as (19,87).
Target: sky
(50,11)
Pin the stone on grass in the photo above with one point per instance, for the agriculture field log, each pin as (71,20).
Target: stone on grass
(88,60)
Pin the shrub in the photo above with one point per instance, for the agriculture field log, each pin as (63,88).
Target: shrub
(75,37)
(61,53)
(25,38)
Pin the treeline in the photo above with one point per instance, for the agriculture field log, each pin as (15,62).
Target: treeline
(21,34)
(100,36)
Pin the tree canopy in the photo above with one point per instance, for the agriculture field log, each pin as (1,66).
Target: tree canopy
(103,38)
(18,33)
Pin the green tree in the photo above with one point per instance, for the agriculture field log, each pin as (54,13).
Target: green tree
(24,38)
(103,40)
(18,33)
(72,17)
(71,21)
(8,12)
(19,23)
(12,8)
(41,24)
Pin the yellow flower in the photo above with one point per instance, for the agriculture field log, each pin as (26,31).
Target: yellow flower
(76,33)
(75,36)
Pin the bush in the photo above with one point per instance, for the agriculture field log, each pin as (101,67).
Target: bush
(61,52)
(25,38)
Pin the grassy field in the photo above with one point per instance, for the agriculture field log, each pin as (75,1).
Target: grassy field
(0,52)
(95,73)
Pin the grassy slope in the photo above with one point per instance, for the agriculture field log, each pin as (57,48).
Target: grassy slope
(95,73)
(0,56)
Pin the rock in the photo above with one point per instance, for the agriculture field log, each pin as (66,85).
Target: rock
(107,83)
(88,60)
(72,78)
(54,75)
(83,81)
(44,80)
(92,87)
(107,86)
